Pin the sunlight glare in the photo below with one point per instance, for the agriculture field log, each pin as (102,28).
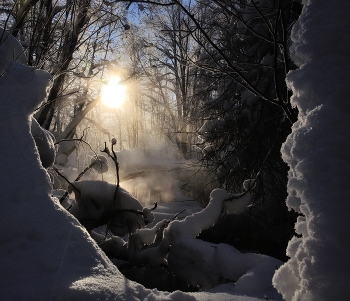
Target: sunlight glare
(113,94)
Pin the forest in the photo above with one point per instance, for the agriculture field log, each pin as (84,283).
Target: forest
(173,150)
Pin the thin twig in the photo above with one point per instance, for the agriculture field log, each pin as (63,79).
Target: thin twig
(66,193)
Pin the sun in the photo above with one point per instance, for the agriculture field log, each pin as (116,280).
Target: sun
(114,94)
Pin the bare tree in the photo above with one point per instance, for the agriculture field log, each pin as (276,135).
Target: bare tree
(163,60)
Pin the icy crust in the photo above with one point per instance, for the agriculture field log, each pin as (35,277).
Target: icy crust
(317,152)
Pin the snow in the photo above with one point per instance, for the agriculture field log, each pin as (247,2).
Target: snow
(239,203)
(87,194)
(45,254)
(147,236)
(194,224)
(44,141)
(7,41)
(43,249)
(167,210)
(113,245)
(154,256)
(208,265)
(317,152)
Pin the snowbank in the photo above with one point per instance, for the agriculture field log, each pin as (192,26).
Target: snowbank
(317,152)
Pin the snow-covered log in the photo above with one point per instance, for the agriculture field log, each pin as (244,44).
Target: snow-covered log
(239,202)
(146,236)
